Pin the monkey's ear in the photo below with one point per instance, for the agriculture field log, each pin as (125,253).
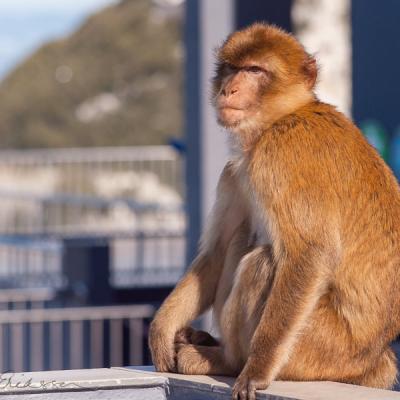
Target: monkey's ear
(310,69)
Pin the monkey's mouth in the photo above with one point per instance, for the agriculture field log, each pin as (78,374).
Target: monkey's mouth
(230,117)
(228,111)
(224,107)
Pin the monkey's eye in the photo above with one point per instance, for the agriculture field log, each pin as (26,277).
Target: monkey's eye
(230,69)
(254,69)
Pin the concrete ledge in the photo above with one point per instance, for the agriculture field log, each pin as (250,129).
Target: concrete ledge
(142,384)
(181,386)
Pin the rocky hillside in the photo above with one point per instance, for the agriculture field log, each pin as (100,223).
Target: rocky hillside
(116,81)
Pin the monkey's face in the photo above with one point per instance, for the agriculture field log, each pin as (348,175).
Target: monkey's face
(240,94)
(262,74)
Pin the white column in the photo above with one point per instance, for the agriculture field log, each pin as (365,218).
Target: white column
(216,22)
(324,28)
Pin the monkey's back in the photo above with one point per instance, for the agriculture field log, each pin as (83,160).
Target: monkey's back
(365,289)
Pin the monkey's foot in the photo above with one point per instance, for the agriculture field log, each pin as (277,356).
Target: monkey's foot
(202,360)
(188,335)
(245,387)
(189,361)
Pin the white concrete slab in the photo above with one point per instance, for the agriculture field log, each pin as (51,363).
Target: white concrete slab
(77,380)
(142,383)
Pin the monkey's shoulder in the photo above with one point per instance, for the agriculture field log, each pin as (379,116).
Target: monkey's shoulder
(315,117)
(308,147)
(310,131)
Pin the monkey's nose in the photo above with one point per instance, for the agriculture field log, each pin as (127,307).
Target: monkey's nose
(228,92)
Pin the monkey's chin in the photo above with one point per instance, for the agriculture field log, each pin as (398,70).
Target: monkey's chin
(231,125)
(230,118)
(240,126)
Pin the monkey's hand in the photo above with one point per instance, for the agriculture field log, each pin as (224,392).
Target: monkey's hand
(188,335)
(247,383)
(162,349)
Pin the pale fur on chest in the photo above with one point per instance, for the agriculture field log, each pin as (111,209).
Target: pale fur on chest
(259,235)
(244,195)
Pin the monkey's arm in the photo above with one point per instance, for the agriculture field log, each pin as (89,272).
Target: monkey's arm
(195,293)
(190,298)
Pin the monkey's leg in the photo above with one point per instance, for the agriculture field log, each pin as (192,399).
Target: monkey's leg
(255,273)
(202,360)
(382,373)
(326,350)
(245,304)
(308,365)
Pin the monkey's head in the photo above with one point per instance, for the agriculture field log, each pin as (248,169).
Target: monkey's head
(262,74)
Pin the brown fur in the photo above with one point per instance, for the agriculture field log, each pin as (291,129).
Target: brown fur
(301,254)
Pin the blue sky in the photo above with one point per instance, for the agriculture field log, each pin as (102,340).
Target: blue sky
(26,24)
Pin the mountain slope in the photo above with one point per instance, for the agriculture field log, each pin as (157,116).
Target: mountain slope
(115,81)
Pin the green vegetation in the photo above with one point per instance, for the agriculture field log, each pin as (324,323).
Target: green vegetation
(116,81)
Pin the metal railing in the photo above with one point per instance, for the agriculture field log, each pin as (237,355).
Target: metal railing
(30,263)
(27,213)
(136,260)
(76,166)
(22,299)
(73,338)
(130,201)
(131,195)
(98,189)
(156,259)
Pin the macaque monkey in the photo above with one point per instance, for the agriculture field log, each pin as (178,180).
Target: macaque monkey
(300,257)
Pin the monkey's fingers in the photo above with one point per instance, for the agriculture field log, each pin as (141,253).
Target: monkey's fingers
(188,335)
(245,388)
(184,335)
(203,338)
(164,362)
(162,351)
